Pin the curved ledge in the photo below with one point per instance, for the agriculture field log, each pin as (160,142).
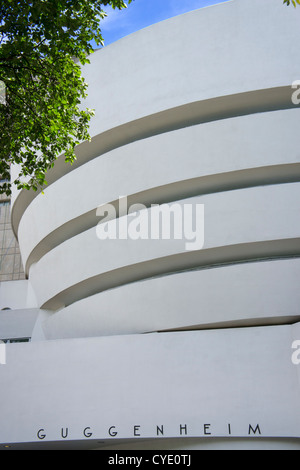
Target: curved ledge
(232,218)
(245,323)
(214,257)
(219,108)
(277,174)
(208,157)
(251,294)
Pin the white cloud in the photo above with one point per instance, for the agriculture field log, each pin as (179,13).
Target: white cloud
(115,17)
(178,7)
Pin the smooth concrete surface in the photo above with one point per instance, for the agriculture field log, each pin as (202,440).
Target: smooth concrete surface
(241,104)
(238,383)
(243,49)
(181,446)
(250,293)
(241,217)
(141,340)
(208,444)
(135,78)
(171,165)
(16,295)
(18,324)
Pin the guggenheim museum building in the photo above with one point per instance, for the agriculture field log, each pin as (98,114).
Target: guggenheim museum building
(150,298)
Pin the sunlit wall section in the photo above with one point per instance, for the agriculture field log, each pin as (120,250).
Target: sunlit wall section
(205,118)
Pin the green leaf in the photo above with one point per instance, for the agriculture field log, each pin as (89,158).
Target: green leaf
(41,118)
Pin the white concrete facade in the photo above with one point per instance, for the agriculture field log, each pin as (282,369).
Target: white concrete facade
(141,343)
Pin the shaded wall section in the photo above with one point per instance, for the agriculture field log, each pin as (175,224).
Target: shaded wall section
(11,267)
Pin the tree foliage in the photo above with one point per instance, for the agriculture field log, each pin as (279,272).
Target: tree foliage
(294,2)
(41,86)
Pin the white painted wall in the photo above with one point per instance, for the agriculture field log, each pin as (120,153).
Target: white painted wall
(247,216)
(208,119)
(17,295)
(239,377)
(242,162)
(145,74)
(152,169)
(17,324)
(251,293)
(227,49)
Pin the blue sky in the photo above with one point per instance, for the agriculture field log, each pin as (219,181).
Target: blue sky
(143,13)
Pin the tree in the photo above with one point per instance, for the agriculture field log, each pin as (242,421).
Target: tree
(43,44)
(294,2)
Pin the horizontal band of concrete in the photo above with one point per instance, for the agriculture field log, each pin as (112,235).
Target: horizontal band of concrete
(222,108)
(208,158)
(238,225)
(256,293)
(244,377)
